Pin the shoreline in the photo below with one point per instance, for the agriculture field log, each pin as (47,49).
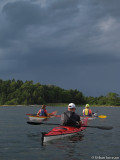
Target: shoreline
(55,105)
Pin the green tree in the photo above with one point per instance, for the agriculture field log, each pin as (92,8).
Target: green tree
(113,99)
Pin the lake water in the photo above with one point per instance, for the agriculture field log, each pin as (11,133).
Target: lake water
(22,141)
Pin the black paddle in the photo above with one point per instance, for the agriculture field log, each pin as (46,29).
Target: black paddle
(99,127)
(38,123)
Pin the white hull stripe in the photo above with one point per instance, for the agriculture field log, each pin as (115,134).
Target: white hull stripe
(52,137)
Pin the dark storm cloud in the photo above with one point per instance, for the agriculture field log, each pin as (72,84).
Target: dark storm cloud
(67,41)
(19,15)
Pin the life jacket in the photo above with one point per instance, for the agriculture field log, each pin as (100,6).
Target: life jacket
(87,112)
(43,112)
(70,119)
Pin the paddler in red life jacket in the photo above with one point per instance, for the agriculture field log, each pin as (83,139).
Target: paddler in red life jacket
(70,118)
(42,111)
(87,111)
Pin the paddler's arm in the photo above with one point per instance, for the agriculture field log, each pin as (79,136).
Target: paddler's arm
(46,113)
(38,113)
(79,122)
(90,112)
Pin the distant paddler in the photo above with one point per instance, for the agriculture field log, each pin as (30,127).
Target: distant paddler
(87,111)
(42,111)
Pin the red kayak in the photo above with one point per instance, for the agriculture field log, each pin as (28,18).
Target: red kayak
(63,131)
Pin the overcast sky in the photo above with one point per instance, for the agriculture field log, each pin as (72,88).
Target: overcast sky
(74,44)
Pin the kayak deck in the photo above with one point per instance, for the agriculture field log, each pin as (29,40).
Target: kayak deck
(89,118)
(94,116)
(63,131)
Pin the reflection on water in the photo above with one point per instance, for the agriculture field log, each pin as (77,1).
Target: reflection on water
(68,145)
(76,138)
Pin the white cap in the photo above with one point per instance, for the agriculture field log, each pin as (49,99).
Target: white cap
(71,105)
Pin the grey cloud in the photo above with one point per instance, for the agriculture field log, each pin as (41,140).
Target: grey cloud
(22,13)
(18,16)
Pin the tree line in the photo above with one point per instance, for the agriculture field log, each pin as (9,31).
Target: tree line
(14,92)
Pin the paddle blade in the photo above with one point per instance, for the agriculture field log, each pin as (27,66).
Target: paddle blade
(34,123)
(105,127)
(102,116)
(38,123)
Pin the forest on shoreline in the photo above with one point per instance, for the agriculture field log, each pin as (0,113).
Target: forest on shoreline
(14,92)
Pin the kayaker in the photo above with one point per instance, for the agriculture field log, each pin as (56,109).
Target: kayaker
(70,118)
(42,111)
(87,111)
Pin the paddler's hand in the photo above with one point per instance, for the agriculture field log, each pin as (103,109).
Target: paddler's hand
(79,123)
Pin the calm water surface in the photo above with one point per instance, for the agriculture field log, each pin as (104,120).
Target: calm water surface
(21,141)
